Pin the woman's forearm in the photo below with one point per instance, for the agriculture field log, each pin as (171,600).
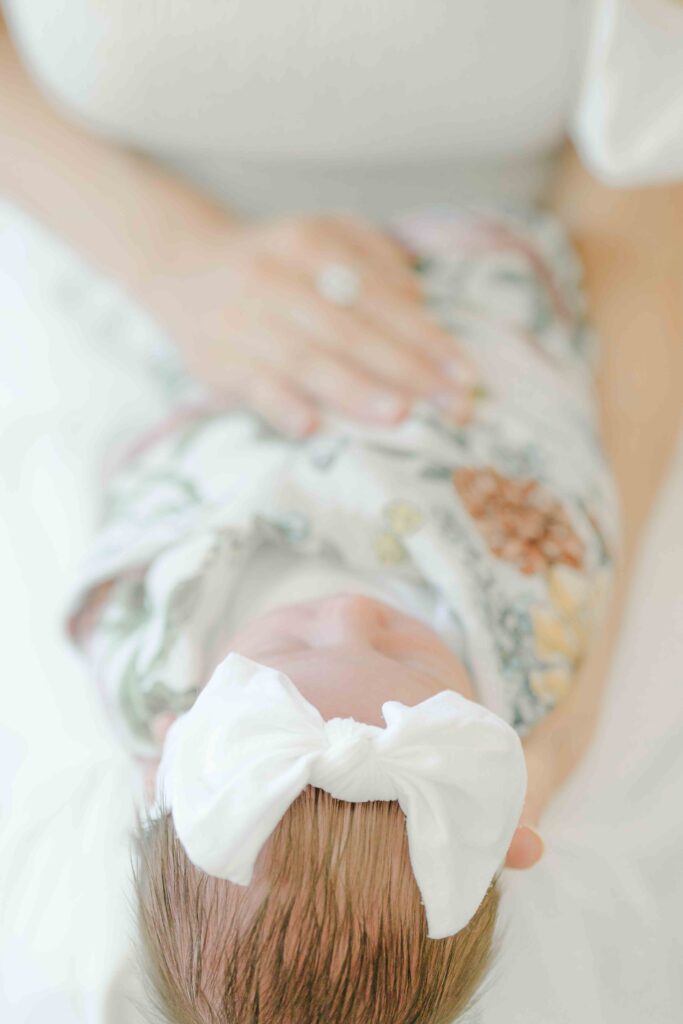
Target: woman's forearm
(631,246)
(119,210)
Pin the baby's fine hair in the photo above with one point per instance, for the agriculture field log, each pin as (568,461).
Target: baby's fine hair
(331,929)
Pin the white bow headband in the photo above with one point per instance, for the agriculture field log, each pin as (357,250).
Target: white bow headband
(251,743)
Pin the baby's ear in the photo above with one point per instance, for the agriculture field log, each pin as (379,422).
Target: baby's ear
(526,848)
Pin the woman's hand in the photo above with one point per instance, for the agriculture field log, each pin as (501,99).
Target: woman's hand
(238,299)
(527,847)
(553,749)
(244,308)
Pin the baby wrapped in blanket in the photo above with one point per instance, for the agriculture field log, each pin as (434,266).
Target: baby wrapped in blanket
(490,547)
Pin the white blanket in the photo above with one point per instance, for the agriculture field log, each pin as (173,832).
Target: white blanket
(593,933)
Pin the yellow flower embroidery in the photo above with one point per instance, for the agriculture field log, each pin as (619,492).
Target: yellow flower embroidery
(563,631)
(403,517)
(568,590)
(389,549)
(553,634)
(551,685)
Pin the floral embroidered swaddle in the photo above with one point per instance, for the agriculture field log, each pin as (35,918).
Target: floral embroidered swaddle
(511,519)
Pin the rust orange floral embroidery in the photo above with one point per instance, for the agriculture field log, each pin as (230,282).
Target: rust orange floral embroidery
(520,520)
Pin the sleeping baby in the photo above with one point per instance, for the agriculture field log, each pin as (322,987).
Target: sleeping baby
(330,648)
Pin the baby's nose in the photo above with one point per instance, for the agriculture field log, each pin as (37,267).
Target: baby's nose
(350,618)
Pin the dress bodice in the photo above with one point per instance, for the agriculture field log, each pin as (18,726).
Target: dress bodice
(277,105)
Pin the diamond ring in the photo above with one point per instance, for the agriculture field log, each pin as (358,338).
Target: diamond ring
(339,283)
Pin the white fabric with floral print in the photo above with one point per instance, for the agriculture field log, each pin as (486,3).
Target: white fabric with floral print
(511,521)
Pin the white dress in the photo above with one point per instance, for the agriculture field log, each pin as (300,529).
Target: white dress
(371,104)
(377,105)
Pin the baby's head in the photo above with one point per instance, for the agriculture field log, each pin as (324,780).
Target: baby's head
(330,931)
(332,926)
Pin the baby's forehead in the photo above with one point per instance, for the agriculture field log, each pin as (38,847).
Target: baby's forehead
(353,683)
(350,600)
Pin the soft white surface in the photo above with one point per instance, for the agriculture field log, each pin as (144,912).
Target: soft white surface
(594,932)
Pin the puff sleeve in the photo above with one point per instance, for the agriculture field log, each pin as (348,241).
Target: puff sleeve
(627,124)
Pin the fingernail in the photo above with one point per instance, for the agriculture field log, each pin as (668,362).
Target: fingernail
(388,407)
(538,836)
(301,422)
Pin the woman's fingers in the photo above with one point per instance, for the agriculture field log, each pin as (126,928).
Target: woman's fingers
(280,372)
(295,409)
(324,380)
(283,370)
(526,848)
(391,317)
(313,241)
(453,374)
(239,377)
(380,351)
(417,328)
(391,262)
(362,341)
(405,367)
(269,323)
(348,390)
(299,345)
(398,281)
(387,331)
(282,405)
(349,366)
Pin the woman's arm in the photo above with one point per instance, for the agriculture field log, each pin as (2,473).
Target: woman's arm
(121,211)
(239,299)
(631,245)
